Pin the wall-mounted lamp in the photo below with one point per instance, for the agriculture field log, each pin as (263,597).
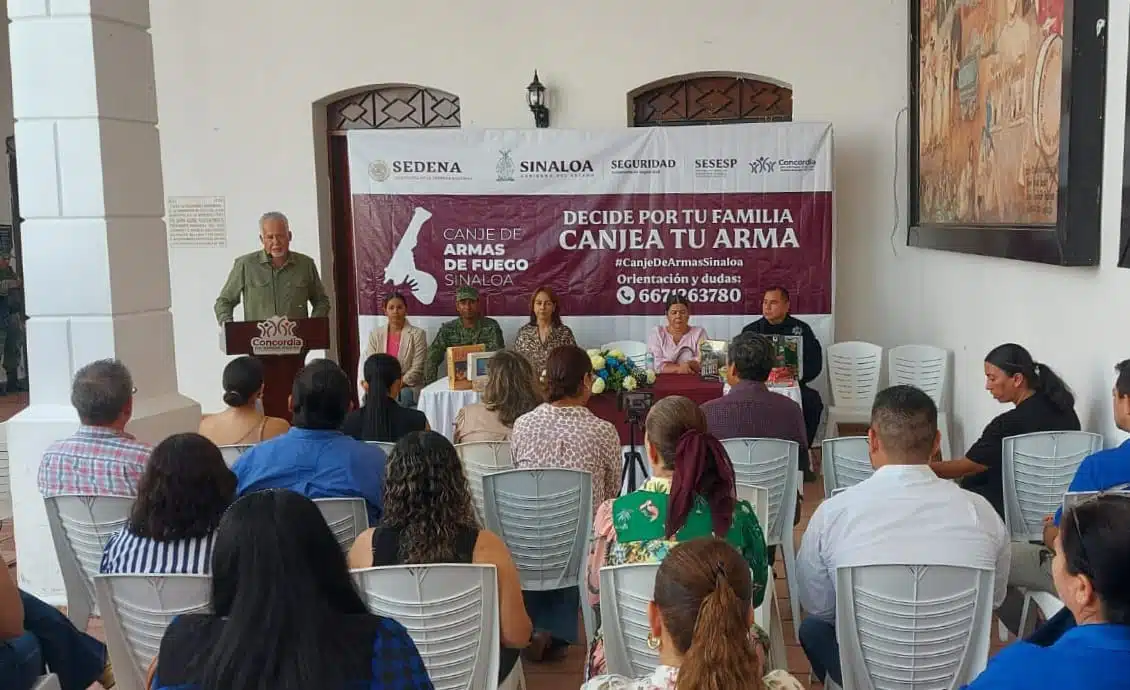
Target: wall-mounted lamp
(535,95)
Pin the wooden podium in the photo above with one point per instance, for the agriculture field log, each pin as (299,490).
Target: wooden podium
(281,344)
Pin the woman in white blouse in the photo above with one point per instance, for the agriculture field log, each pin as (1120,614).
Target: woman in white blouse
(404,341)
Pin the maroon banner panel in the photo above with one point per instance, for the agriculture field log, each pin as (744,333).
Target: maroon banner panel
(604,255)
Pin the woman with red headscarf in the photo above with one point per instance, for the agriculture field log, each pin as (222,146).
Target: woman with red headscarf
(691,494)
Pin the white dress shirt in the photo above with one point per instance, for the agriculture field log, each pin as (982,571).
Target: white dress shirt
(902,514)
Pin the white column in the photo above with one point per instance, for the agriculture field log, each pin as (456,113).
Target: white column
(95,255)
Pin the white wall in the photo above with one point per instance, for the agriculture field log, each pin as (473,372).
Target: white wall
(237,84)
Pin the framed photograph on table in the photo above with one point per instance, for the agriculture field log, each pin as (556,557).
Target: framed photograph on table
(1005,135)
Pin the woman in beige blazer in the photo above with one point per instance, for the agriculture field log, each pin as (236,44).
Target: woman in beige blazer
(404,341)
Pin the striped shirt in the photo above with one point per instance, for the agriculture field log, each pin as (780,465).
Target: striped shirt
(126,553)
(95,461)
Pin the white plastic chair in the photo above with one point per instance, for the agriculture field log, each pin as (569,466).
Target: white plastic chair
(1037,469)
(847,462)
(480,459)
(925,367)
(384,445)
(625,592)
(136,610)
(232,453)
(80,527)
(47,682)
(772,463)
(545,518)
(768,615)
(5,487)
(912,626)
(854,370)
(451,613)
(634,350)
(347,518)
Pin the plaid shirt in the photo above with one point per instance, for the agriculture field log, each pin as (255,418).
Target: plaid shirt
(95,461)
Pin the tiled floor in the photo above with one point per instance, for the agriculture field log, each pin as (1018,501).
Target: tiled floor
(567,673)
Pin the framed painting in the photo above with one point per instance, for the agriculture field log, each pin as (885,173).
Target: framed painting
(1005,128)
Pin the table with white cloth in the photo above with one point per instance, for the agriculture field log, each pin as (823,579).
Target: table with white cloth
(440,404)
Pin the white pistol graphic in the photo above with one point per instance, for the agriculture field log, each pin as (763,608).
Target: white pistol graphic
(402,267)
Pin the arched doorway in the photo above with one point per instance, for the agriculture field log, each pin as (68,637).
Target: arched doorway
(397,106)
(708,98)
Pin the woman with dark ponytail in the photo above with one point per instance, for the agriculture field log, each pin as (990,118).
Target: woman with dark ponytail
(701,609)
(381,418)
(1042,402)
(691,494)
(243,423)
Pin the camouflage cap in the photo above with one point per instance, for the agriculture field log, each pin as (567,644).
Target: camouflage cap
(466,292)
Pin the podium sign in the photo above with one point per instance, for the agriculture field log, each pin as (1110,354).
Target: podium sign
(281,345)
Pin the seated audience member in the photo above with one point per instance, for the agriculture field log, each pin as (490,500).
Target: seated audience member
(243,423)
(381,418)
(698,618)
(750,409)
(314,458)
(544,333)
(285,612)
(1042,402)
(563,433)
(36,638)
(1092,578)
(674,347)
(183,494)
(1102,471)
(408,343)
(901,514)
(471,328)
(100,458)
(777,320)
(511,391)
(429,517)
(691,494)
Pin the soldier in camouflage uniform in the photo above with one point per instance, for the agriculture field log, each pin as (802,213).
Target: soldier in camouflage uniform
(11,322)
(471,328)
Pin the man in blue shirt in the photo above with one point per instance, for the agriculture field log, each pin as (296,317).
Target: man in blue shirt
(314,458)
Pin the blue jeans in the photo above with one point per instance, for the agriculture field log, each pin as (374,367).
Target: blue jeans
(20,663)
(77,658)
(818,638)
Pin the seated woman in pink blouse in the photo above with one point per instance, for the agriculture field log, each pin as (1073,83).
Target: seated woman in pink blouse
(674,347)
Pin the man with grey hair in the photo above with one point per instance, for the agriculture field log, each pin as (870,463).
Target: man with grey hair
(100,458)
(273,281)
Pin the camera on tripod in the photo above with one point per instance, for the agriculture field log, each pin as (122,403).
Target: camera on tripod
(635,405)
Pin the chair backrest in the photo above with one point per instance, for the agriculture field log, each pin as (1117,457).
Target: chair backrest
(771,463)
(625,591)
(854,369)
(544,516)
(912,626)
(136,610)
(1074,498)
(921,366)
(384,445)
(1037,469)
(451,612)
(846,462)
(634,350)
(232,453)
(480,459)
(80,527)
(346,517)
(758,497)
(5,486)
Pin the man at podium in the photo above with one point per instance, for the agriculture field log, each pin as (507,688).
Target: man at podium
(274,281)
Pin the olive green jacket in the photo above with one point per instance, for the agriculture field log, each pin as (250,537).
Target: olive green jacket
(267,291)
